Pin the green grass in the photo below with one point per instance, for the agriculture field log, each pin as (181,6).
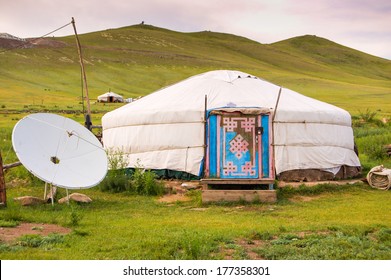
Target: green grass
(372,243)
(371,138)
(127,226)
(122,226)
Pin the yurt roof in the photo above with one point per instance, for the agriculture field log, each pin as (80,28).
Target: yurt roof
(108,94)
(234,89)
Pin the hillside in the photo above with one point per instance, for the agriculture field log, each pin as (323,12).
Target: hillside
(137,60)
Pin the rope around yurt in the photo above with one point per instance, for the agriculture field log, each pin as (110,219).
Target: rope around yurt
(379,178)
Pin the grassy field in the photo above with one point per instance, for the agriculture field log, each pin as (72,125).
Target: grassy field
(323,222)
(137,60)
(329,222)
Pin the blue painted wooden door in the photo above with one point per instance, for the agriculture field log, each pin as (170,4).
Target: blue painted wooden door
(238,146)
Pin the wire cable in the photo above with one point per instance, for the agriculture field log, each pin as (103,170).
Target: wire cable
(28,42)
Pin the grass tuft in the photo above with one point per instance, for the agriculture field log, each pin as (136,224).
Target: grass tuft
(349,244)
(8,223)
(36,240)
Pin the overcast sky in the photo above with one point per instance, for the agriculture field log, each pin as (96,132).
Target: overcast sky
(364,25)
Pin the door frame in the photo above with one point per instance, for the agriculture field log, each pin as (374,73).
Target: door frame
(265,156)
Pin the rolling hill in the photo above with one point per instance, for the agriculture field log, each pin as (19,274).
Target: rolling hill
(137,60)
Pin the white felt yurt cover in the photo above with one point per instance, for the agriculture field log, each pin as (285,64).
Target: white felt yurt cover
(165,130)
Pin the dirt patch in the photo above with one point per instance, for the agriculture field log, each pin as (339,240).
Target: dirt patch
(13,43)
(177,190)
(172,183)
(10,234)
(171,198)
(44,42)
(300,198)
(249,246)
(245,247)
(242,248)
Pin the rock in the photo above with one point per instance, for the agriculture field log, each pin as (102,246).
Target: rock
(63,200)
(78,197)
(29,200)
(179,190)
(191,185)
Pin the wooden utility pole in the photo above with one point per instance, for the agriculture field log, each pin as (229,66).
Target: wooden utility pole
(88,122)
(3,195)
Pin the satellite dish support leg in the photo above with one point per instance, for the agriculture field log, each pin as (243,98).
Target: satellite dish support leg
(52,194)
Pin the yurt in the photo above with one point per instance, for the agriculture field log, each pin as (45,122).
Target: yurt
(230,125)
(110,97)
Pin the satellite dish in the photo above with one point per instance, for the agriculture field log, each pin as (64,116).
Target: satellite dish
(59,151)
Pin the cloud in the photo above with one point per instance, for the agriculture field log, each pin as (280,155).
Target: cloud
(361,24)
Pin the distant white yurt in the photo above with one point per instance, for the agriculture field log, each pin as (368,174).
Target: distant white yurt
(110,97)
(229,124)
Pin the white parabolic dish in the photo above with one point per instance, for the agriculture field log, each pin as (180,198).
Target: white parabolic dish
(59,151)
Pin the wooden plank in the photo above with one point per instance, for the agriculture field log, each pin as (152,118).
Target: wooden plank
(283,184)
(237,181)
(269,196)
